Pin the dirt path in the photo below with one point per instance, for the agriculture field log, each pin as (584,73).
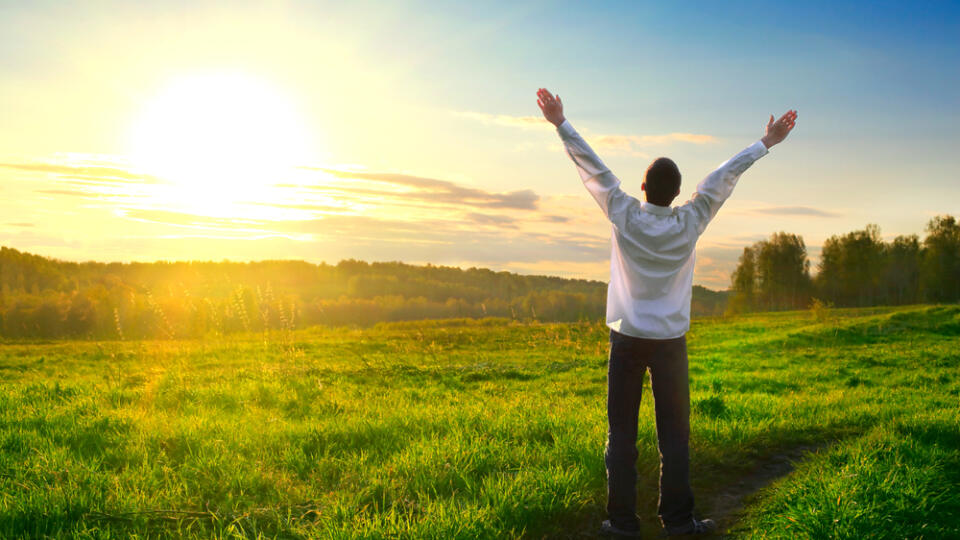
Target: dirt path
(726,507)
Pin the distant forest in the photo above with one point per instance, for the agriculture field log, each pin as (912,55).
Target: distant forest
(856,269)
(48,298)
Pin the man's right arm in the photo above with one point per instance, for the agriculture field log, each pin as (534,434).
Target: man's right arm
(596,176)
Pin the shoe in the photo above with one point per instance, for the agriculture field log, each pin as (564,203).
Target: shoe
(610,529)
(695,526)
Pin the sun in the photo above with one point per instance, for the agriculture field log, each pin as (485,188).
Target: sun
(222,134)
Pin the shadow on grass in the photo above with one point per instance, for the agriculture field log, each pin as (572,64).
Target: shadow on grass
(723,500)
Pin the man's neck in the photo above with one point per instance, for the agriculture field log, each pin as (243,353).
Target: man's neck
(660,205)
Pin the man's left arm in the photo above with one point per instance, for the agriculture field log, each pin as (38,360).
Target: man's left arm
(717,187)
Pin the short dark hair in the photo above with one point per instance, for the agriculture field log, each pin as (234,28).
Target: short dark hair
(663,181)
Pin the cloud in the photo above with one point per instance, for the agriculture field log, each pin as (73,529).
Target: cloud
(68,192)
(628,144)
(535,122)
(492,219)
(632,144)
(791,211)
(442,241)
(308,207)
(82,172)
(21,224)
(440,191)
(87,194)
(195,221)
(438,240)
(715,263)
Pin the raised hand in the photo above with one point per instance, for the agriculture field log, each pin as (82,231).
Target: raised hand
(778,131)
(551,107)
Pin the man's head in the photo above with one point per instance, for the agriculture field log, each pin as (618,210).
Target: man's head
(662,182)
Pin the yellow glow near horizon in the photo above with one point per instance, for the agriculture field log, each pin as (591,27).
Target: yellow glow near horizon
(221,135)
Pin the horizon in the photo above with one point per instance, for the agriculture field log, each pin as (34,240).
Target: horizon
(315,132)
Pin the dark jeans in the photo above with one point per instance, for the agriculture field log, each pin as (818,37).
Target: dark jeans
(666,359)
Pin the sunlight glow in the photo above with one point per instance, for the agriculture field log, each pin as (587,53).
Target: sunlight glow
(221,136)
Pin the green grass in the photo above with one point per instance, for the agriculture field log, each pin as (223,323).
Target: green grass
(478,429)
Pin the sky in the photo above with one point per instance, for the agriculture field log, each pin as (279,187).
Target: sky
(409,131)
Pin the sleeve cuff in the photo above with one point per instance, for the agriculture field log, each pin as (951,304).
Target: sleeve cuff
(758,149)
(565,128)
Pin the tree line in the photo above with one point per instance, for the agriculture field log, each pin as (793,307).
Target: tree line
(48,298)
(856,269)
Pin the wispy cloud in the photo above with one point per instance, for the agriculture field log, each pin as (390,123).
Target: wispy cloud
(186,224)
(300,206)
(627,144)
(67,192)
(716,262)
(530,122)
(492,219)
(441,240)
(84,172)
(337,214)
(635,144)
(427,239)
(803,211)
(442,191)
(89,193)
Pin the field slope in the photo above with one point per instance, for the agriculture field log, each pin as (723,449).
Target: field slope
(842,424)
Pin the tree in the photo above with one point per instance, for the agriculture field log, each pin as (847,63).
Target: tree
(744,284)
(772,274)
(902,272)
(783,272)
(852,268)
(81,317)
(828,283)
(940,272)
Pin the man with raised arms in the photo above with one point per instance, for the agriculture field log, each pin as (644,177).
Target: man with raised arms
(648,312)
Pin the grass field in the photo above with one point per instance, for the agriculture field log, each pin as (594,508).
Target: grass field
(841,424)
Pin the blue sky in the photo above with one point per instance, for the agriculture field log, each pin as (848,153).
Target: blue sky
(444,92)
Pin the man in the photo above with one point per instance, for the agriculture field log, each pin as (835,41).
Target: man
(648,312)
